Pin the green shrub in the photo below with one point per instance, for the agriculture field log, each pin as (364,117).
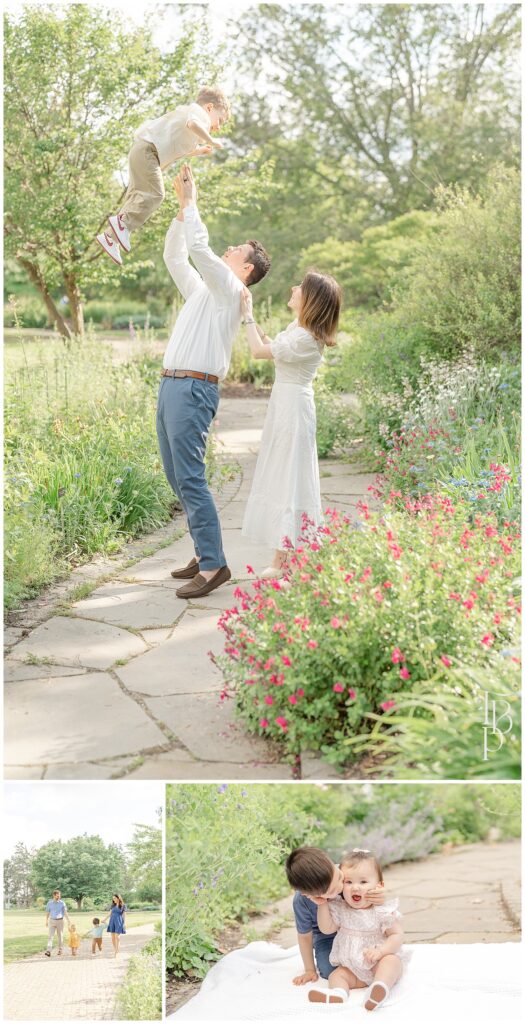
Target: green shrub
(225,846)
(111,314)
(334,428)
(141,320)
(464,286)
(382,605)
(140,995)
(26,311)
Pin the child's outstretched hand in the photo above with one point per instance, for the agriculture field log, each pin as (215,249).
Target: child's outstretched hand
(201,151)
(304,979)
(217,144)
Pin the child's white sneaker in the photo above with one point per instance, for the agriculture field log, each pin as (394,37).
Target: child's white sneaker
(327,995)
(120,231)
(111,246)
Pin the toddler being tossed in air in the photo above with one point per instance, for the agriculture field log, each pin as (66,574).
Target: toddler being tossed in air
(158,143)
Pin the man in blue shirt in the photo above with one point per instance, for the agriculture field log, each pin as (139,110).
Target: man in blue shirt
(316,879)
(56,911)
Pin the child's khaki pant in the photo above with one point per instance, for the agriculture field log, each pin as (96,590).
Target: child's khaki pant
(146,185)
(96,944)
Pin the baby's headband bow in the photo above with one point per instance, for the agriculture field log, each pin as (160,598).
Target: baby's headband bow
(357,849)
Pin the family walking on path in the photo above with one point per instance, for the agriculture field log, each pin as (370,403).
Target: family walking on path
(57,913)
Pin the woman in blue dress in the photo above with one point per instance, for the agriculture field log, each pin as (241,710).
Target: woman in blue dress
(117,920)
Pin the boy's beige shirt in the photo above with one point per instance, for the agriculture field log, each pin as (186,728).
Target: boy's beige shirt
(170,134)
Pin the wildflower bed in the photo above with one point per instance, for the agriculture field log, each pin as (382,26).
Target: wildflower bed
(394,626)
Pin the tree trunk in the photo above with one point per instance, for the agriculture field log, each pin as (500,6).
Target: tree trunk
(36,277)
(75,303)
(79,900)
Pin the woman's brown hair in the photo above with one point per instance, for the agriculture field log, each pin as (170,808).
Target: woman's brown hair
(320,306)
(120,900)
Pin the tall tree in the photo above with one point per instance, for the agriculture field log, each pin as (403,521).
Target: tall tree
(145,862)
(394,99)
(18,885)
(77,84)
(80,867)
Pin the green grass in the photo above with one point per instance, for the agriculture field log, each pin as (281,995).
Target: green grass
(25,932)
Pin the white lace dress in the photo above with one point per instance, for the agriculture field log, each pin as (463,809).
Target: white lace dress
(286,480)
(359,929)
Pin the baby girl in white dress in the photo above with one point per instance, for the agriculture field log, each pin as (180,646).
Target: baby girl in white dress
(367,949)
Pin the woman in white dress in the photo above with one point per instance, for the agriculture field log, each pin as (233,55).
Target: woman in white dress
(286,486)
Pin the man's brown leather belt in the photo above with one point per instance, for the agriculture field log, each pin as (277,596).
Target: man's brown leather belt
(190,373)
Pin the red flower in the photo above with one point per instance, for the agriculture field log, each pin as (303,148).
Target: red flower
(268,699)
(387,704)
(446,661)
(282,722)
(313,644)
(338,688)
(352,694)
(300,693)
(397,656)
(292,698)
(404,673)
(250,570)
(335,623)
(286,660)
(488,640)
(264,723)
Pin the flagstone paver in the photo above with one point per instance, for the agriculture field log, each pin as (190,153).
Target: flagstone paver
(126,671)
(67,988)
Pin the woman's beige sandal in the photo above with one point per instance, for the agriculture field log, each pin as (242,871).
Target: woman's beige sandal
(378,993)
(327,995)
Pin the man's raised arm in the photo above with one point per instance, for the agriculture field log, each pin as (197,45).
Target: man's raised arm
(176,258)
(213,270)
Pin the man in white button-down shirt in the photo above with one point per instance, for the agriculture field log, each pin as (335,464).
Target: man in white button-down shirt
(196,359)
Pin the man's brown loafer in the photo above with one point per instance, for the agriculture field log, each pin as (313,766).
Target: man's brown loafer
(188,572)
(200,586)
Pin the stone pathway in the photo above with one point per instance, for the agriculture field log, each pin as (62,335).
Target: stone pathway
(67,988)
(120,684)
(457,896)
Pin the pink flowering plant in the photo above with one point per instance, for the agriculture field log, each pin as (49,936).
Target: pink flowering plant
(374,607)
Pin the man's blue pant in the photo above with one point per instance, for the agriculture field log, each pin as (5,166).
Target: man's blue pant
(185,409)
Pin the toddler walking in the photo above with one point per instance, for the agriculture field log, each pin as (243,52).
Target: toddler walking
(73,939)
(95,934)
(367,949)
(158,143)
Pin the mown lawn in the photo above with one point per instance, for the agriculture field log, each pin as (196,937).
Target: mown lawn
(25,932)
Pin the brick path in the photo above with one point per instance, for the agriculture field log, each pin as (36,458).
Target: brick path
(135,653)
(67,988)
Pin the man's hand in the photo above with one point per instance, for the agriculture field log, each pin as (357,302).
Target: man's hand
(189,188)
(304,979)
(201,151)
(372,954)
(247,309)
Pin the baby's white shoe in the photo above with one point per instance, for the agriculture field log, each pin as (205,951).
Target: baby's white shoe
(377,995)
(327,995)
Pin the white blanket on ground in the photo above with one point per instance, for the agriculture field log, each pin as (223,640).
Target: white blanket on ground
(449,984)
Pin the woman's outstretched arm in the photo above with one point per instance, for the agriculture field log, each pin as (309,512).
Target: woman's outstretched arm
(258,348)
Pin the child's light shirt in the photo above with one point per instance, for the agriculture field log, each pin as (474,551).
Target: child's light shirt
(170,133)
(97,931)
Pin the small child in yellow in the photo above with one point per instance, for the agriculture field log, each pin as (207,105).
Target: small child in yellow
(73,939)
(158,143)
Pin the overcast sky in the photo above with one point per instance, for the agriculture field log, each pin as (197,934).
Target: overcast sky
(36,812)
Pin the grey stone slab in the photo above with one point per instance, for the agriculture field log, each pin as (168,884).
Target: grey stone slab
(158,567)
(232,516)
(218,771)
(154,637)
(86,769)
(209,730)
(347,484)
(14,671)
(446,919)
(132,604)
(71,719)
(220,599)
(72,641)
(181,664)
(22,772)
